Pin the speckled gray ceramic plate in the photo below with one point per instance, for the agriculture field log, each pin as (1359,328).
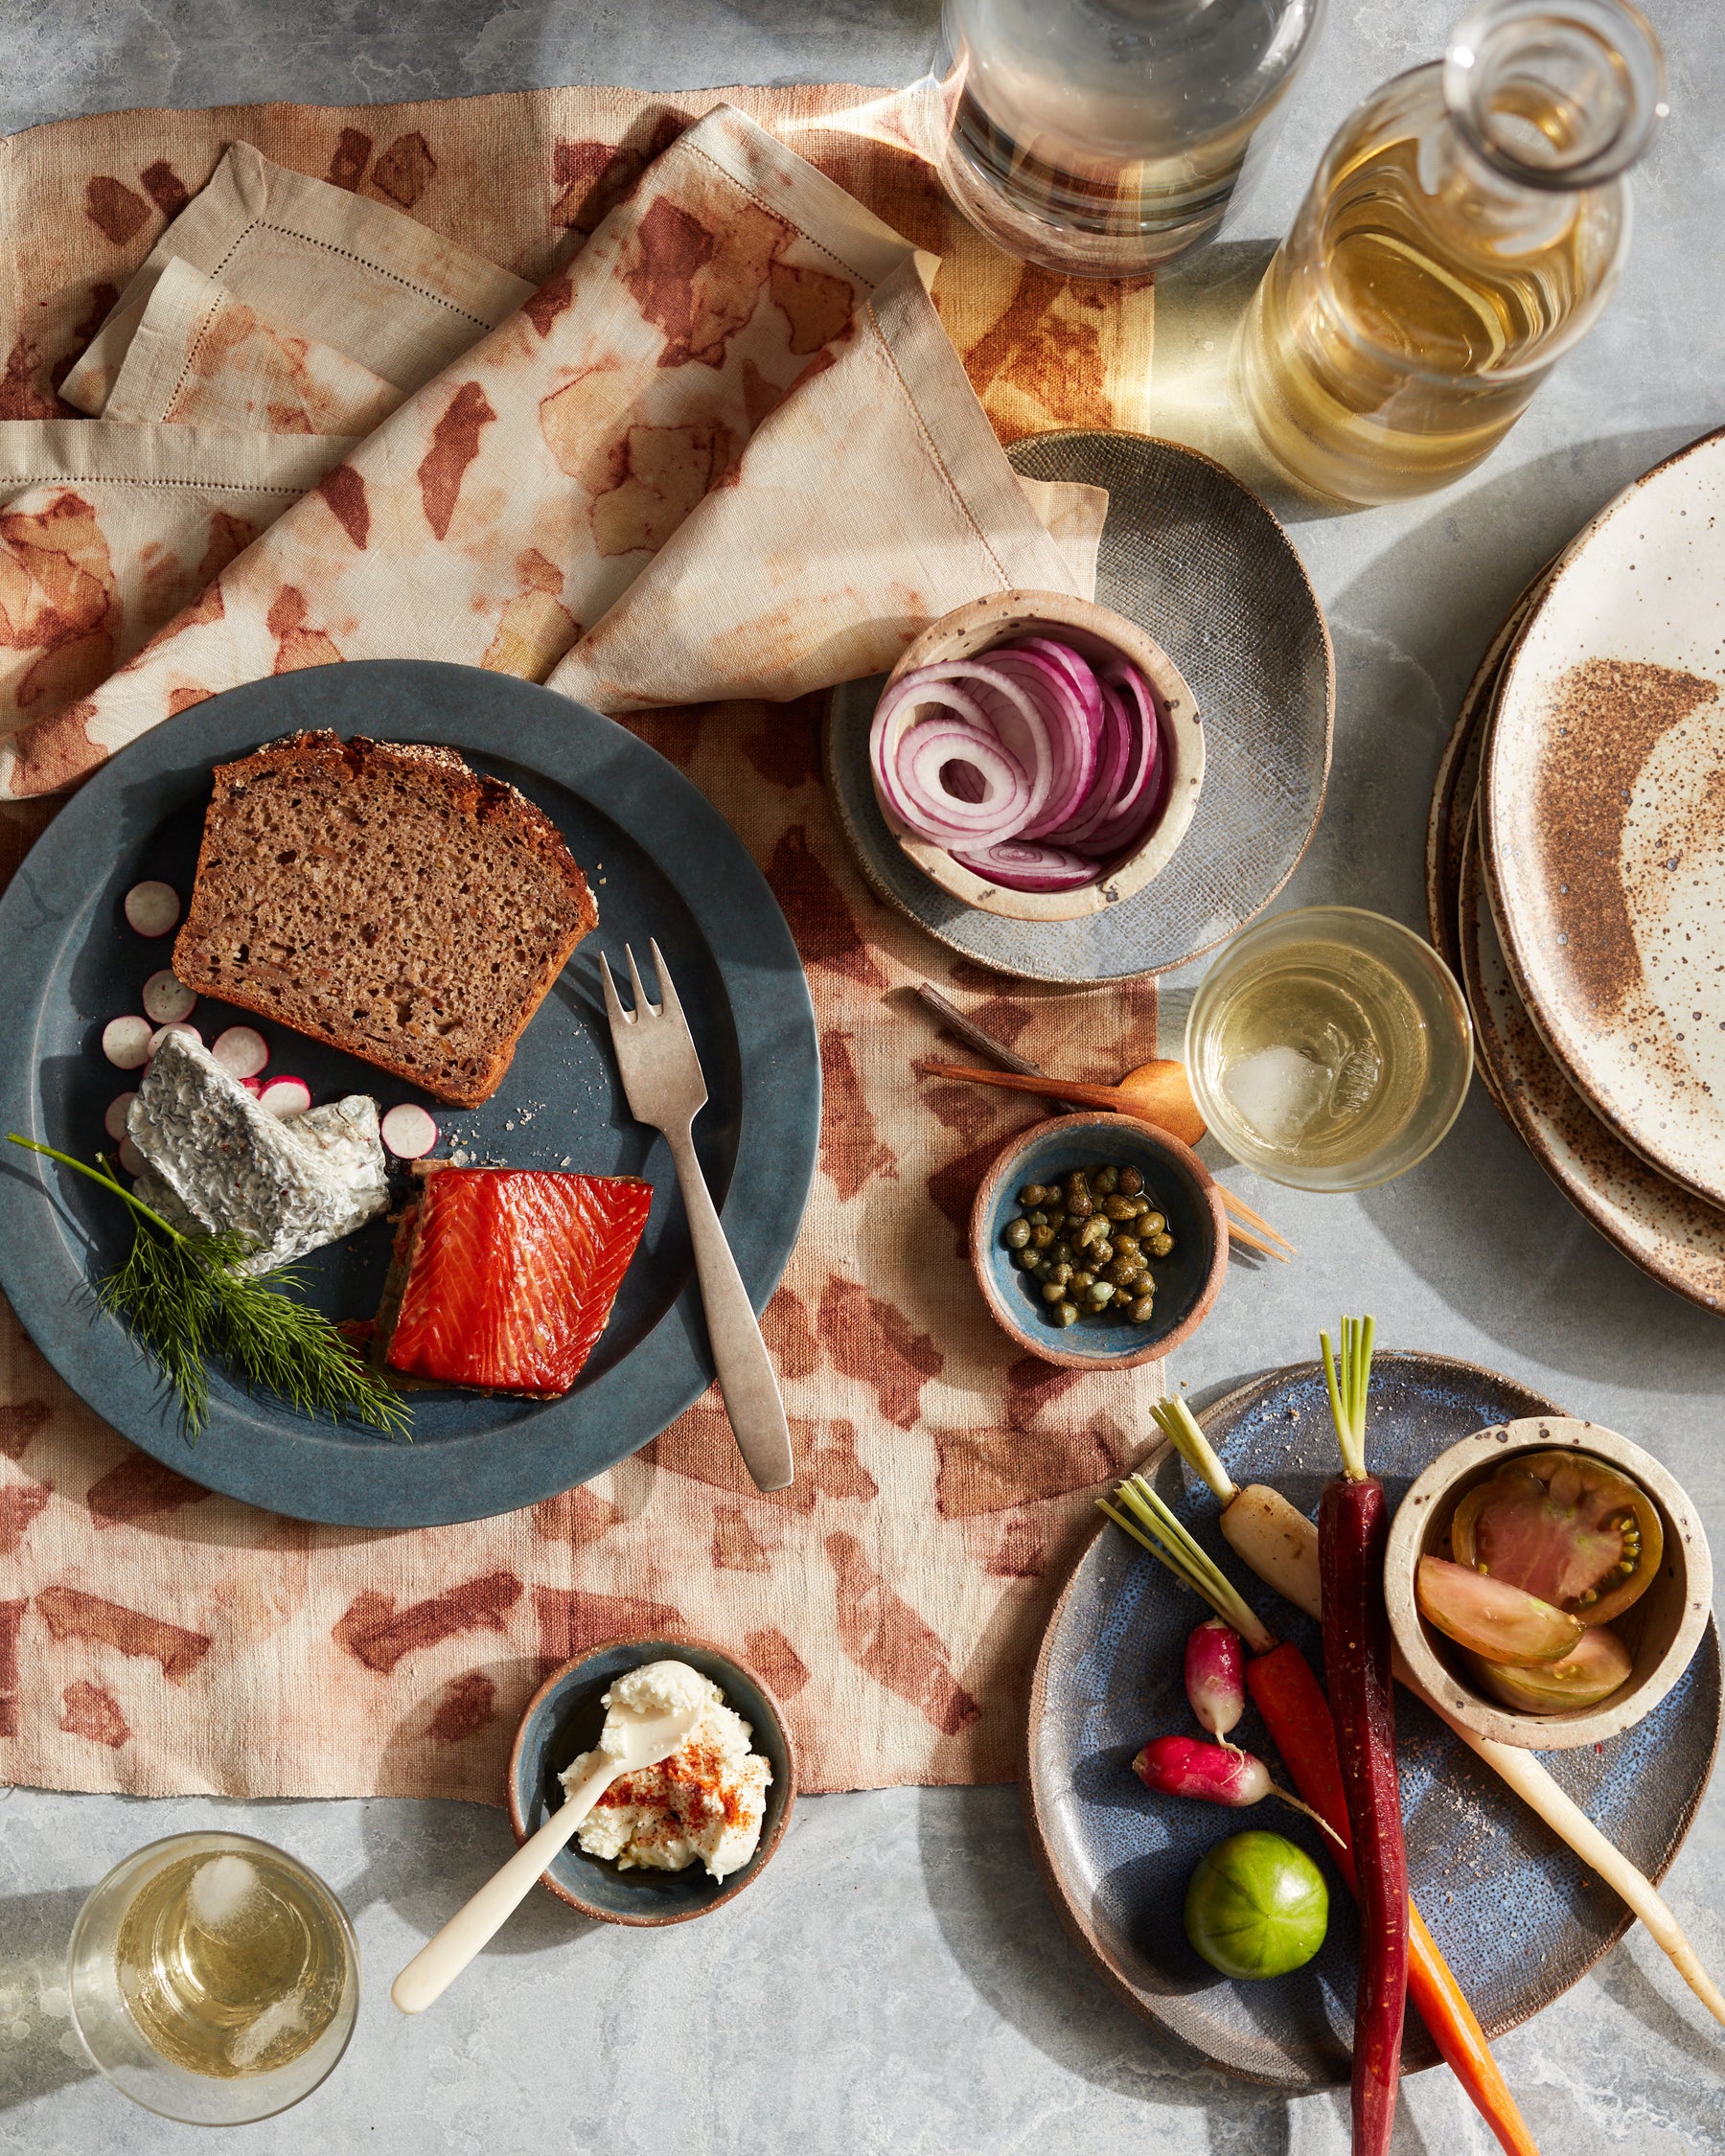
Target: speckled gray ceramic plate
(1198,562)
(1604,818)
(1517,1915)
(1661,1226)
(663,863)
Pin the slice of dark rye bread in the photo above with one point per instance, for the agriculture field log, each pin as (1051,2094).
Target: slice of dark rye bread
(387,899)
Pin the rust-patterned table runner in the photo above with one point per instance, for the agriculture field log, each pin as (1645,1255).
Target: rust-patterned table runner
(156,1639)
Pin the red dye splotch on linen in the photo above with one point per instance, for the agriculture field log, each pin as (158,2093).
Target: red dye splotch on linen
(883,1636)
(70,1614)
(454,445)
(89,1711)
(378,1636)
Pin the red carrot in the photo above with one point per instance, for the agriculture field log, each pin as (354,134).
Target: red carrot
(1353,1527)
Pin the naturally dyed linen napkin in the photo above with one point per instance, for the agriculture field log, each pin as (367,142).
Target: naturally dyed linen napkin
(701,350)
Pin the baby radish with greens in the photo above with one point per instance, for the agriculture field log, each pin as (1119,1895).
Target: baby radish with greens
(1215,1675)
(1220,1774)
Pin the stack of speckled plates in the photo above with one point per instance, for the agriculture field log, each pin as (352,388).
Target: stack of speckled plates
(1576,870)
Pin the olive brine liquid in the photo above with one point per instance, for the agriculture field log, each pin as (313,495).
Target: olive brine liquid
(230,1965)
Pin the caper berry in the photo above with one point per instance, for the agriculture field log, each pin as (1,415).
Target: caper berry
(1028,1259)
(1018,1234)
(1080,1204)
(1121,1270)
(1098,1294)
(1142,1310)
(1141,1282)
(1058,1272)
(1125,1243)
(1118,1209)
(1154,1223)
(1105,1182)
(1042,1235)
(1160,1245)
(1082,1278)
(1032,1193)
(1065,1313)
(1130,1183)
(1037,1217)
(1053,1291)
(1063,1252)
(1093,1230)
(1076,1179)
(1055,1216)
(1042,1269)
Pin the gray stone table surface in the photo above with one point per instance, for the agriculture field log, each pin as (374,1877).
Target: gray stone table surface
(898,1983)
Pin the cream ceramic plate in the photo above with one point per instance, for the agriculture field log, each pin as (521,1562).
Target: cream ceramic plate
(1603,816)
(1665,1228)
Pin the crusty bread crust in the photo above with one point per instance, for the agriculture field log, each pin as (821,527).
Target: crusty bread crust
(386,899)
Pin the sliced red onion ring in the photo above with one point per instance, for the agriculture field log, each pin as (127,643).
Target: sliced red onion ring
(1022,865)
(1034,761)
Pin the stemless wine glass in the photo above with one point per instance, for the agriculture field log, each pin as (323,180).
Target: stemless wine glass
(1329,1048)
(1103,138)
(102,1965)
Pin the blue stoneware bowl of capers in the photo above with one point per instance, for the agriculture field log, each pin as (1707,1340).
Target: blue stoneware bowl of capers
(1098,1241)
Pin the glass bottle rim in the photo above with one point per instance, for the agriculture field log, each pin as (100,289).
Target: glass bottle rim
(1615,35)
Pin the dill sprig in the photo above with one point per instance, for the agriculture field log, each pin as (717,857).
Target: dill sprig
(185,1299)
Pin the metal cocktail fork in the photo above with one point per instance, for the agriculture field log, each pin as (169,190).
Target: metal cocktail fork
(663,1080)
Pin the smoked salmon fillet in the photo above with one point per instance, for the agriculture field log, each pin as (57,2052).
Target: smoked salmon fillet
(507,1276)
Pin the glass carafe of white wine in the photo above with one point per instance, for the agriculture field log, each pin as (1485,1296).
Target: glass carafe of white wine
(1464,231)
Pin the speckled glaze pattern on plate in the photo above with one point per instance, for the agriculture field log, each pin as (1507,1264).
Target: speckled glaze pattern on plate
(1515,1912)
(1199,564)
(1457,780)
(1661,1226)
(1603,819)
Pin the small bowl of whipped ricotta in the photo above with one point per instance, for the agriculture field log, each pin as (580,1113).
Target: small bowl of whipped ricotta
(675,1839)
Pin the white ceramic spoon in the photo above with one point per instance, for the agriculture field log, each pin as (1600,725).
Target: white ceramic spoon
(634,1741)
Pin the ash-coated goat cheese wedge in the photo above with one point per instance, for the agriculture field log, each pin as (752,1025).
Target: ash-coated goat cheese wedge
(229,1165)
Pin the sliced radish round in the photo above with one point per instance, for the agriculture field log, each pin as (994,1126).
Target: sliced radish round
(286,1097)
(131,1159)
(153,909)
(179,1025)
(408,1132)
(114,1121)
(241,1051)
(253,1085)
(167,999)
(126,1042)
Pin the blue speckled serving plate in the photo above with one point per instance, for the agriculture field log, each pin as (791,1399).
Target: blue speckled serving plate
(1516,1914)
(563,1719)
(663,862)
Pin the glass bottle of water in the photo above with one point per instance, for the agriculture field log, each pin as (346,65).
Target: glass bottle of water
(1464,231)
(1103,138)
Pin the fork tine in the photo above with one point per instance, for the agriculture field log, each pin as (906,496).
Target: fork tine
(641,1002)
(670,1002)
(613,1006)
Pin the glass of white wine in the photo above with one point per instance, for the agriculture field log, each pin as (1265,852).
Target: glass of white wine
(213,1978)
(1329,1048)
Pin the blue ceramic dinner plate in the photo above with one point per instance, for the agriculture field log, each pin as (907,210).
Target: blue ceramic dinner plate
(1514,1912)
(661,862)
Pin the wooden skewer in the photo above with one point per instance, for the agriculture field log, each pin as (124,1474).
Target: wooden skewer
(1111,1097)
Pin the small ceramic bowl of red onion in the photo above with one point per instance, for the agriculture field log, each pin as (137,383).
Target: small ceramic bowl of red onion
(1036,755)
